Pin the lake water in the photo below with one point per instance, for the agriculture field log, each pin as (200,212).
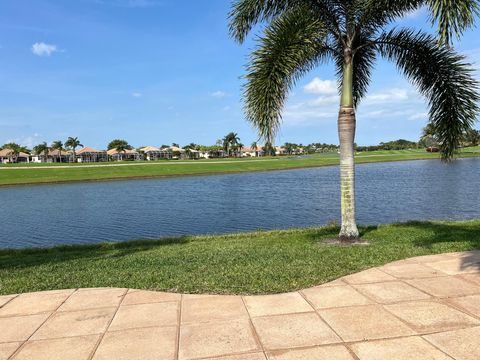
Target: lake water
(137,209)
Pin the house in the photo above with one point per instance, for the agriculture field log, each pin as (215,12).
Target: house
(89,154)
(129,155)
(52,156)
(251,152)
(151,153)
(175,152)
(7,156)
(280,150)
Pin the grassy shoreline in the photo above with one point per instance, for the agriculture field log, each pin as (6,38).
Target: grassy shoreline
(247,263)
(38,174)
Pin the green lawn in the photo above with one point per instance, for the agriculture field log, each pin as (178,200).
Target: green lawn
(251,263)
(33,174)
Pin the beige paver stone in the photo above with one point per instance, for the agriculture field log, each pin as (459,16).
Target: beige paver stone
(337,282)
(470,304)
(398,349)
(145,315)
(293,330)
(430,258)
(75,323)
(335,352)
(5,299)
(216,339)
(390,292)
(452,286)
(93,299)
(334,296)
(430,316)
(368,322)
(459,344)
(368,276)
(252,356)
(411,271)
(276,304)
(138,344)
(75,348)
(33,303)
(7,349)
(456,266)
(474,278)
(213,308)
(20,328)
(135,297)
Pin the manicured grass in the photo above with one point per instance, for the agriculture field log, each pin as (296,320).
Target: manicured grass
(36,174)
(251,263)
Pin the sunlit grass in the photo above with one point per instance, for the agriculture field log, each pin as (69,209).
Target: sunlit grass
(250,263)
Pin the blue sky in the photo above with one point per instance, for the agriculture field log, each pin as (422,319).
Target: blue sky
(156,72)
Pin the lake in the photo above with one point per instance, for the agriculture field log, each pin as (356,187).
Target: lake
(80,213)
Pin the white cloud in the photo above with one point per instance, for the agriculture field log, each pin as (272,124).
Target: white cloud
(218,94)
(419,116)
(391,95)
(325,100)
(27,141)
(319,86)
(137,94)
(43,49)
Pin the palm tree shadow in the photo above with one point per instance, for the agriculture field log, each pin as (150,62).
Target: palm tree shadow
(25,258)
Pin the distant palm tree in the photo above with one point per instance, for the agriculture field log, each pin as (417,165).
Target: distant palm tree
(254,147)
(302,34)
(73,143)
(42,148)
(239,146)
(58,145)
(230,141)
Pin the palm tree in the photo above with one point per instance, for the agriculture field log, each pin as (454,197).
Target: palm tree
(58,145)
(42,148)
(73,143)
(254,147)
(230,142)
(302,34)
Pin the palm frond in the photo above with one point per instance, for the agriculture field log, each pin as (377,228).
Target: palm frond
(453,17)
(245,14)
(292,45)
(442,76)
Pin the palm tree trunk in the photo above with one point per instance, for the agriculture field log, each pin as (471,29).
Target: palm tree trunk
(346,132)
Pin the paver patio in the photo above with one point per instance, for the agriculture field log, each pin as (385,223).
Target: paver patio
(419,308)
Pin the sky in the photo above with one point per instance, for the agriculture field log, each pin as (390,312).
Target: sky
(155,72)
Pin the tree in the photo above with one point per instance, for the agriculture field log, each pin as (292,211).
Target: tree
(42,148)
(118,142)
(230,142)
(120,146)
(73,143)
(15,151)
(472,137)
(302,34)
(58,145)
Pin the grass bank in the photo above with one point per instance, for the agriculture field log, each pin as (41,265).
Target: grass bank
(48,173)
(251,263)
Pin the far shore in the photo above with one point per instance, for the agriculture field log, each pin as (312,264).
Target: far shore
(23,174)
